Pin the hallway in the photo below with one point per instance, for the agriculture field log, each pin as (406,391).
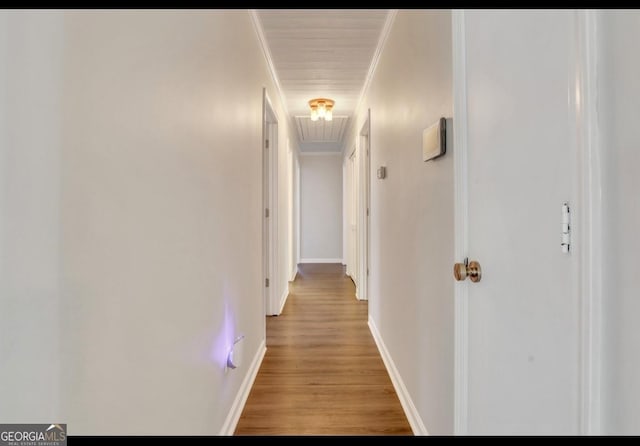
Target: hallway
(322,373)
(354,221)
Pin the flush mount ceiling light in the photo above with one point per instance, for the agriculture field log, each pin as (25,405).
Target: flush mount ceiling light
(321,109)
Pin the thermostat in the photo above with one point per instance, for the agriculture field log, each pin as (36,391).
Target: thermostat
(434,140)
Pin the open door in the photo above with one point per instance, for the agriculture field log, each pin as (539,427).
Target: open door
(364,210)
(351,216)
(270,203)
(517,303)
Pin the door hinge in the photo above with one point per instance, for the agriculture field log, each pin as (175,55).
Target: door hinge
(566,228)
(266,212)
(367,271)
(266,283)
(367,212)
(266,143)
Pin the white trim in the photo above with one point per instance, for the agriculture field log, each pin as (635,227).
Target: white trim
(590,228)
(266,198)
(257,26)
(410,410)
(290,258)
(298,212)
(345,211)
(270,120)
(230,423)
(461,224)
(317,260)
(364,193)
(320,154)
(283,298)
(384,35)
(334,117)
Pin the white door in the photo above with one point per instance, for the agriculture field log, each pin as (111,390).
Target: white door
(291,186)
(352,264)
(364,179)
(518,327)
(270,205)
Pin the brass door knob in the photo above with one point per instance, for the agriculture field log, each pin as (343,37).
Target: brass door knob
(468,269)
(460,271)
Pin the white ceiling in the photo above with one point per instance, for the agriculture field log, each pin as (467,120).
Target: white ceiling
(321,136)
(321,53)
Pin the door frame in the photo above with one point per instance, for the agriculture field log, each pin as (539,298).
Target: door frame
(269,201)
(292,218)
(461,237)
(351,213)
(588,232)
(345,214)
(298,212)
(364,206)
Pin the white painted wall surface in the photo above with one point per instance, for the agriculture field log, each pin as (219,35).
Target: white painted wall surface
(411,290)
(619,114)
(30,173)
(321,207)
(131,171)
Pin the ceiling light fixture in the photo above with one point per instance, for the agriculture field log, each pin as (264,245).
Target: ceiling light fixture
(321,109)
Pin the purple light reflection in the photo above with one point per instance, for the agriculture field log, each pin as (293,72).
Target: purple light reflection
(223,340)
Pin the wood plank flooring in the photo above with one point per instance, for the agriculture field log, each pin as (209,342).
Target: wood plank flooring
(322,373)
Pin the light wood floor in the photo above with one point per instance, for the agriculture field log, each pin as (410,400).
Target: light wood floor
(322,373)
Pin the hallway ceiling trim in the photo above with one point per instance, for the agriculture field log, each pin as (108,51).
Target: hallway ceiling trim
(257,26)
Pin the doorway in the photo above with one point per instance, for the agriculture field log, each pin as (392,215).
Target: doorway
(292,176)
(362,286)
(270,204)
(352,217)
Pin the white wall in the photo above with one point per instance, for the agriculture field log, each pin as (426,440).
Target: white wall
(619,114)
(30,172)
(411,290)
(132,190)
(321,207)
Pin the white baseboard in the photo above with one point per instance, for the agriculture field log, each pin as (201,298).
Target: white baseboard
(233,417)
(283,298)
(417,426)
(321,261)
